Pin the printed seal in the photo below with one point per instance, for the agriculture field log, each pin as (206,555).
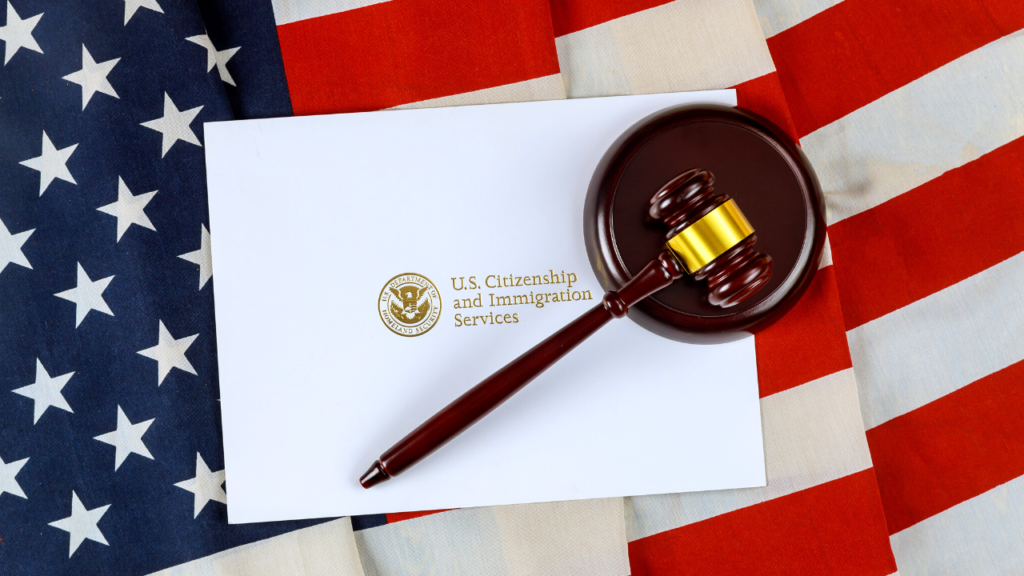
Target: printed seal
(409,304)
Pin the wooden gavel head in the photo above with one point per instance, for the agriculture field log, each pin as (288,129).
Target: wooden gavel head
(711,238)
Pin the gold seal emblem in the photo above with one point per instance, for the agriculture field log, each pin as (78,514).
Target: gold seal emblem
(409,304)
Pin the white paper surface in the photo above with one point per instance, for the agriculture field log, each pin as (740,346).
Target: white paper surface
(310,217)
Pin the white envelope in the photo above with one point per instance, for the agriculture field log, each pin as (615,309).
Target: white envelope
(311,217)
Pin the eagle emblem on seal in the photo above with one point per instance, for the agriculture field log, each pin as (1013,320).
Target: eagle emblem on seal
(415,304)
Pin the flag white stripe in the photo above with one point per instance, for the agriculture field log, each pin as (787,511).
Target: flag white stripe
(675,47)
(584,537)
(327,549)
(943,120)
(826,254)
(812,434)
(286,11)
(977,536)
(941,343)
(779,15)
(543,88)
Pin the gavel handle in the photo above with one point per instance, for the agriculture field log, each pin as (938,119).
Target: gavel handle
(476,403)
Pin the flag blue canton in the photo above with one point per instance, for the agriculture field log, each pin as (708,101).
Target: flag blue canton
(111,457)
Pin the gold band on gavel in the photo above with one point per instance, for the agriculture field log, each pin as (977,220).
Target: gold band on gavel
(711,236)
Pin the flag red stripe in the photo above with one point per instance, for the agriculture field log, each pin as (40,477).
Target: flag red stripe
(932,237)
(807,343)
(405,51)
(834,528)
(764,96)
(859,50)
(571,16)
(399,516)
(950,450)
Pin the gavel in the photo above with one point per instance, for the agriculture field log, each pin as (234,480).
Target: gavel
(708,238)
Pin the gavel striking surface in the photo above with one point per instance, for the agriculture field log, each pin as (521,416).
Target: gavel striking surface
(755,163)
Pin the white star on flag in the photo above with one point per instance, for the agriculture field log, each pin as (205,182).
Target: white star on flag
(129,209)
(206,486)
(93,77)
(17,33)
(170,353)
(126,438)
(81,525)
(174,125)
(202,257)
(46,391)
(51,164)
(87,295)
(131,6)
(214,57)
(10,247)
(7,481)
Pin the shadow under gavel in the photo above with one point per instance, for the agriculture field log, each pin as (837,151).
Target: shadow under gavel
(708,237)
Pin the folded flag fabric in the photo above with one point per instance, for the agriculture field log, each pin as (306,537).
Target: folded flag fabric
(911,114)
(890,394)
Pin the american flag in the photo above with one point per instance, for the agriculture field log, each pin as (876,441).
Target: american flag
(891,394)
(109,420)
